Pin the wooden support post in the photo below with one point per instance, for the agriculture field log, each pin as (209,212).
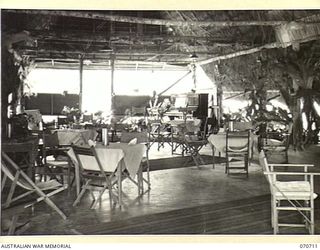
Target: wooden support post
(219,103)
(81,81)
(112,82)
(194,76)
(51,104)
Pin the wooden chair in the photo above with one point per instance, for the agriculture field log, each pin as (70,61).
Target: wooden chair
(55,162)
(194,143)
(177,141)
(276,144)
(237,148)
(291,187)
(12,171)
(160,133)
(143,138)
(179,134)
(93,174)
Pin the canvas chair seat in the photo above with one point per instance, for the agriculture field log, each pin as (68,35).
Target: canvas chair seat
(287,186)
(235,149)
(286,190)
(48,185)
(295,195)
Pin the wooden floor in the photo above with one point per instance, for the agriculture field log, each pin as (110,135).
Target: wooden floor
(188,200)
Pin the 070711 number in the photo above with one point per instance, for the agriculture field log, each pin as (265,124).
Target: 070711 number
(307,246)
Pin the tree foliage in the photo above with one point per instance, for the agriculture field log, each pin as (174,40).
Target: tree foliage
(296,74)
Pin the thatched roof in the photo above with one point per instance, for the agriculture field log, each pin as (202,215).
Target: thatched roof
(152,39)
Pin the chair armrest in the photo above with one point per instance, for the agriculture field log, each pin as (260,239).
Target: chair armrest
(290,165)
(291,173)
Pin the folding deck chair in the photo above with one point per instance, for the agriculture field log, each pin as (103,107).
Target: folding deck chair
(12,171)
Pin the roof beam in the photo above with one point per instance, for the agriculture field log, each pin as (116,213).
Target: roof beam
(240,53)
(149,21)
(143,51)
(254,50)
(84,36)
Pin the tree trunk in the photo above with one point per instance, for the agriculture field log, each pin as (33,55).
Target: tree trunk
(297,126)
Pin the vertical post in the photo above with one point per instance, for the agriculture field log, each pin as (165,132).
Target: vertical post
(219,102)
(112,82)
(81,81)
(194,76)
(51,104)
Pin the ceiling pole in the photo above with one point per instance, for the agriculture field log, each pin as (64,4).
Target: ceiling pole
(173,84)
(81,81)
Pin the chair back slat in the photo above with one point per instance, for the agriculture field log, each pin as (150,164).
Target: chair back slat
(142,137)
(87,159)
(242,126)
(239,140)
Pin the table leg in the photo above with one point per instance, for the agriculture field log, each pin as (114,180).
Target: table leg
(213,153)
(120,183)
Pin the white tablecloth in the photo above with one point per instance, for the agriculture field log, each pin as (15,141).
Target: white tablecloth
(110,157)
(133,155)
(219,142)
(75,136)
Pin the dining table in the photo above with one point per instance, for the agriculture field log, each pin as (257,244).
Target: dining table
(218,142)
(115,157)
